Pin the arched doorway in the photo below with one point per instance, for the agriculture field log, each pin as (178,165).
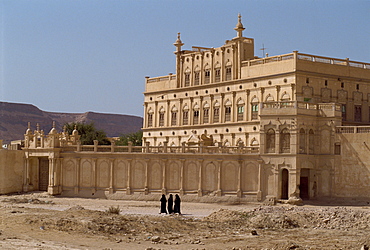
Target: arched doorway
(284,183)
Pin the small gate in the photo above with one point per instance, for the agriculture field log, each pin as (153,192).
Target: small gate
(43,174)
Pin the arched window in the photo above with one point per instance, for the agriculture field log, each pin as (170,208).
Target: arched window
(150,118)
(196,114)
(240,116)
(207,74)
(185,115)
(311,142)
(254,106)
(302,141)
(161,117)
(187,77)
(196,75)
(216,112)
(270,141)
(228,105)
(217,72)
(285,141)
(174,116)
(206,113)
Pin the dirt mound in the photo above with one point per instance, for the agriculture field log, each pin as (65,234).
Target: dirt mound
(223,215)
(339,218)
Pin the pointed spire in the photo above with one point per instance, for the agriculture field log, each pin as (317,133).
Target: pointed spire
(178,43)
(38,127)
(239,26)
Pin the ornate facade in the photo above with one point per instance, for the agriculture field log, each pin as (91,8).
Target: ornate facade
(226,124)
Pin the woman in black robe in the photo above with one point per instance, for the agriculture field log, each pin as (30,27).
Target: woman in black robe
(163,204)
(176,208)
(170,204)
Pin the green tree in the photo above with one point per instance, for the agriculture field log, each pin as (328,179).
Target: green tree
(88,133)
(135,138)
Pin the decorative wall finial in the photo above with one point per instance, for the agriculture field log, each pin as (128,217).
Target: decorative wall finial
(239,26)
(178,42)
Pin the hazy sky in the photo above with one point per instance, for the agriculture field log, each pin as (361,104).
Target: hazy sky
(85,55)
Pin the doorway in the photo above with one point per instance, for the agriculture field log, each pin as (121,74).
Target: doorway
(43,173)
(284,184)
(304,184)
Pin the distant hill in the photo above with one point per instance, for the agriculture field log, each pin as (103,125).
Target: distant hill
(14,118)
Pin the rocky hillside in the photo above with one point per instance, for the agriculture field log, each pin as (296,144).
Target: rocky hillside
(14,118)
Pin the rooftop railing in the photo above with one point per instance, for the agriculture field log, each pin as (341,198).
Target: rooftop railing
(352,129)
(301,105)
(307,57)
(183,149)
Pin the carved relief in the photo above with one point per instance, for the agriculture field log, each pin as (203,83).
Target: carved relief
(342,95)
(307,91)
(325,94)
(357,97)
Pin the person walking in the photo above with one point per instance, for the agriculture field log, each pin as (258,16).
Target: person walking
(170,204)
(176,208)
(163,201)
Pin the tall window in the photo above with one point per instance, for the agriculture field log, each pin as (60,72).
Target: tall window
(185,117)
(228,73)
(216,114)
(344,115)
(240,113)
(270,141)
(173,118)
(311,142)
(254,111)
(196,78)
(227,113)
(196,116)
(217,75)
(285,141)
(150,119)
(302,141)
(161,119)
(358,115)
(187,79)
(207,76)
(206,115)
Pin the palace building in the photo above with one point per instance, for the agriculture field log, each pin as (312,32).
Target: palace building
(227,124)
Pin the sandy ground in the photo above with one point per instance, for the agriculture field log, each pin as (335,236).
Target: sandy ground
(40,221)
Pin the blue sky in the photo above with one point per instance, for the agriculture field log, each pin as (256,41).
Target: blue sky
(86,55)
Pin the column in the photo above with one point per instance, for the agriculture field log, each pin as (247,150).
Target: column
(211,110)
(111,179)
(168,115)
(182,191)
(234,108)
(200,192)
(94,176)
(239,185)
(191,112)
(77,184)
(247,116)
(260,178)
(219,166)
(146,189)
(128,188)
(164,166)
(200,110)
(222,109)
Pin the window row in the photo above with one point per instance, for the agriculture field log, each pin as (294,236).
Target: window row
(207,76)
(204,117)
(306,141)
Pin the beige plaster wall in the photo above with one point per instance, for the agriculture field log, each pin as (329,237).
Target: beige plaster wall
(150,174)
(352,166)
(11,171)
